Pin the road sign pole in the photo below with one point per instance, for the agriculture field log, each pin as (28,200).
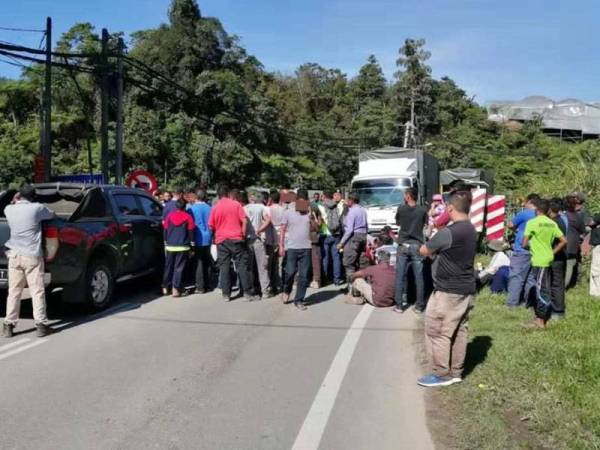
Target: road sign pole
(104,107)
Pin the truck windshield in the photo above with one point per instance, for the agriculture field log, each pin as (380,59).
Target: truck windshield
(381,192)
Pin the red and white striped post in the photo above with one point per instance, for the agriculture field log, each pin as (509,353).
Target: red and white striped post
(496,216)
(477,211)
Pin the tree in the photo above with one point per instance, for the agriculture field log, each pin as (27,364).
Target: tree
(413,88)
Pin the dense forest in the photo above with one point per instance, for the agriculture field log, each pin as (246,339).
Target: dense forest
(199,108)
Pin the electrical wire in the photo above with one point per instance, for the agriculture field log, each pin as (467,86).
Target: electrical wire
(53,63)
(30,30)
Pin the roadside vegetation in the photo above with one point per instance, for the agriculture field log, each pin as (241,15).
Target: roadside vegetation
(528,389)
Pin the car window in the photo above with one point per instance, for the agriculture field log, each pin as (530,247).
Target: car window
(127,205)
(151,208)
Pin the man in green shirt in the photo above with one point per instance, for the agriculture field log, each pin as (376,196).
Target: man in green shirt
(541,232)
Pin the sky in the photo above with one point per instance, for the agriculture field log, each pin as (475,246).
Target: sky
(495,50)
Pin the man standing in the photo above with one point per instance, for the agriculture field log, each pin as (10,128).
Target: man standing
(375,284)
(276,212)
(447,313)
(25,259)
(331,234)
(557,269)
(171,204)
(540,234)
(520,278)
(411,220)
(295,245)
(200,211)
(354,240)
(178,234)
(228,222)
(263,242)
(575,233)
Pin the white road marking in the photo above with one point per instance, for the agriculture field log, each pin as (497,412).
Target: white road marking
(314,424)
(13,344)
(22,348)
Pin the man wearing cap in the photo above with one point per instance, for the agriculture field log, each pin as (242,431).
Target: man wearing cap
(374,284)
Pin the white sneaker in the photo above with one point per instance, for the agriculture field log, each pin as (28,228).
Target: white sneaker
(456,380)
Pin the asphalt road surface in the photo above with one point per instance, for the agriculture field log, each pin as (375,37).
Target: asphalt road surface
(199,373)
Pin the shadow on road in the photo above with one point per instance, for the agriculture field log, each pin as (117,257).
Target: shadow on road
(477,351)
(322,296)
(128,296)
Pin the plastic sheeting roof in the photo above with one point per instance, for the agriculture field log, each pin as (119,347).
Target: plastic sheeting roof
(566,114)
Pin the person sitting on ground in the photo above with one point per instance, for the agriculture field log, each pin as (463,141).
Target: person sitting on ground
(496,273)
(374,284)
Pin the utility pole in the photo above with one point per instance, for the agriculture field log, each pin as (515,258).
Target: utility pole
(119,137)
(104,107)
(46,133)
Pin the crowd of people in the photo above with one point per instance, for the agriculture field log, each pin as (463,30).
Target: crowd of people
(256,245)
(264,244)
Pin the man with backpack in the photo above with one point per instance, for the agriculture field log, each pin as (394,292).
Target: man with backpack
(331,233)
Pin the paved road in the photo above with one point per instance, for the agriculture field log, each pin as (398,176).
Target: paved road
(198,373)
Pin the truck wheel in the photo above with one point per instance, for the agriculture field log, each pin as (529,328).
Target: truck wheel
(99,284)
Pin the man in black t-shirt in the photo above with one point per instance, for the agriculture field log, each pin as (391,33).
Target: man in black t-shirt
(447,314)
(411,220)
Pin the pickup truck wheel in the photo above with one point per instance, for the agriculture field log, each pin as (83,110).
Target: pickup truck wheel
(99,284)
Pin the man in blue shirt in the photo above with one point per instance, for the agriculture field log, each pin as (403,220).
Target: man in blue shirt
(354,241)
(200,211)
(520,276)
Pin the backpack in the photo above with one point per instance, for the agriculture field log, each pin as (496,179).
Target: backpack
(333,220)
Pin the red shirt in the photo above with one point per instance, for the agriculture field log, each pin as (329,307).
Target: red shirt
(226,220)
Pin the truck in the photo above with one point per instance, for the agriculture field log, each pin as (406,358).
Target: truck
(383,176)
(101,235)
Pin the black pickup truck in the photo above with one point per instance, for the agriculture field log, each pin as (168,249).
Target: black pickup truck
(101,235)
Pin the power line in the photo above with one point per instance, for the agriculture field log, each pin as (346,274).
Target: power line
(78,67)
(5,61)
(22,29)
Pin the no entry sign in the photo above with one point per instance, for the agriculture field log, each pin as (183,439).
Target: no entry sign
(142,179)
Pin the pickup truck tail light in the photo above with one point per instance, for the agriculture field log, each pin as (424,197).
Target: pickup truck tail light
(50,242)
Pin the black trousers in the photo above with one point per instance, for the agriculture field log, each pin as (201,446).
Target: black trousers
(557,286)
(236,251)
(203,261)
(174,268)
(354,254)
(543,292)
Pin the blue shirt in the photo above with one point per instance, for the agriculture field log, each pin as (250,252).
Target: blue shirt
(200,211)
(519,221)
(355,222)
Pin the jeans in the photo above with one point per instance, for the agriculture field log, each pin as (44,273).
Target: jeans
(175,263)
(238,252)
(403,257)
(297,261)
(520,279)
(203,261)
(331,257)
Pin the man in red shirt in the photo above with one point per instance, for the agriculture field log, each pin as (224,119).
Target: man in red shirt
(228,222)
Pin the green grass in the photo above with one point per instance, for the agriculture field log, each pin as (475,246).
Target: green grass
(529,389)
